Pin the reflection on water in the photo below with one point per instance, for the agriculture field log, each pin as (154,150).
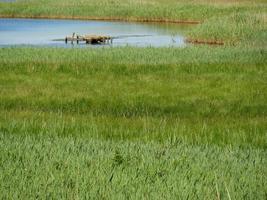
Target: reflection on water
(43,31)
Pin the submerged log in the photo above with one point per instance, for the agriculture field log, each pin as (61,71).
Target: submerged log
(96,39)
(89,39)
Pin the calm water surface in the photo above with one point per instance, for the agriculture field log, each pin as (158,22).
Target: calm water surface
(43,31)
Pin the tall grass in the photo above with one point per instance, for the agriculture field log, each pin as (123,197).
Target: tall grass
(246,28)
(137,123)
(129,9)
(72,168)
(199,95)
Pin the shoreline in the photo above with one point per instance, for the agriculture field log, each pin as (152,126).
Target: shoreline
(196,41)
(157,20)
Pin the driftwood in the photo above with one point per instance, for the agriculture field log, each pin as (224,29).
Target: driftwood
(89,39)
(94,39)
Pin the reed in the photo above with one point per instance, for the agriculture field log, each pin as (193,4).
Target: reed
(66,167)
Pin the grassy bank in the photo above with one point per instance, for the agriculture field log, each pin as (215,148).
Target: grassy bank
(129,9)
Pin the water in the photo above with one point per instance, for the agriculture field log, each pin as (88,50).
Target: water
(43,31)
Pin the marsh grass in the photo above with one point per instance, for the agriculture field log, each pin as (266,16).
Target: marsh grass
(129,9)
(199,95)
(137,123)
(67,167)
(246,28)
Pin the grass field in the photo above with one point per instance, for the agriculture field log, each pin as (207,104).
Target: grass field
(131,9)
(188,123)
(199,94)
(137,123)
(73,168)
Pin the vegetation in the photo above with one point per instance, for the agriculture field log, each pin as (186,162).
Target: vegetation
(203,95)
(138,123)
(130,9)
(150,123)
(73,168)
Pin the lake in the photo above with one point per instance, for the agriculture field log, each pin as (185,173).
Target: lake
(41,32)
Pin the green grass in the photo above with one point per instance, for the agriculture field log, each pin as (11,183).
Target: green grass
(137,123)
(113,8)
(130,9)
(201,95)
(70,168)
(246,28)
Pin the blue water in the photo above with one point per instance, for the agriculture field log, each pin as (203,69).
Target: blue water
(43,31)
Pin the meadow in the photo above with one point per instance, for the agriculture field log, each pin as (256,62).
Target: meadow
(186,123)
(137,123)
(129,93)
(191,10)
(52,167)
